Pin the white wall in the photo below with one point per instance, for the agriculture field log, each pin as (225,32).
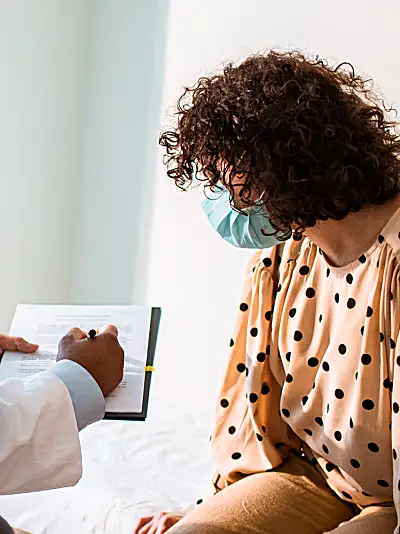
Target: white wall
(119,150)
(43,47)
(192,273)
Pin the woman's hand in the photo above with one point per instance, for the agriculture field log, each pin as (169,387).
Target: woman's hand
(16,344)
(157,524)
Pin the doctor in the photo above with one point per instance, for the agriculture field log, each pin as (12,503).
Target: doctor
(40,416)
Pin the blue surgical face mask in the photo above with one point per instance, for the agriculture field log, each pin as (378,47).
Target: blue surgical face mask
(239,230)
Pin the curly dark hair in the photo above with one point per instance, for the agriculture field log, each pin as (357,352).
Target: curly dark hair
(316,140)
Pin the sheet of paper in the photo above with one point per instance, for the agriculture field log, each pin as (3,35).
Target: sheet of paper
(45,325)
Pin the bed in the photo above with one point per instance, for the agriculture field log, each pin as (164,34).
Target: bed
(130,469)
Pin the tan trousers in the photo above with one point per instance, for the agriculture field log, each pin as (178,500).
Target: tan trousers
(292,499)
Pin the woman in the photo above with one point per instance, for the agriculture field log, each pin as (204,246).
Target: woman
(307,437)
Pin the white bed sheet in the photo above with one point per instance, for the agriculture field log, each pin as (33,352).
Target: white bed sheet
(130,469)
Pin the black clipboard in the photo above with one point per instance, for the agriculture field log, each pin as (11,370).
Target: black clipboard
(151,350)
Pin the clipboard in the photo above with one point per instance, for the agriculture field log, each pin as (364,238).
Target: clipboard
(151,350)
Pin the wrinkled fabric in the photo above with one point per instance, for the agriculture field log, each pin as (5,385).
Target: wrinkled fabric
(315,365)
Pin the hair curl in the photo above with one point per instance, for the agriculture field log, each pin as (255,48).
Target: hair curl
(315,140)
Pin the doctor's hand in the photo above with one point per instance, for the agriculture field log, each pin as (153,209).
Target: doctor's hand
(16,344)
(102,357)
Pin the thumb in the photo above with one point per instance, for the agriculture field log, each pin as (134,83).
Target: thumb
(109,329)
(76,333)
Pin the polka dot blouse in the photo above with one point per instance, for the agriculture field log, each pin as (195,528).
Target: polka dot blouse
(315,366)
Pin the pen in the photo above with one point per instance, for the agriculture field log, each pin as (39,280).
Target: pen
(91,334)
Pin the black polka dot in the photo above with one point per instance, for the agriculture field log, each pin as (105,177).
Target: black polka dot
(241,367)
(231,343)
(231,430)
(398,235)
(288,356)
(362,259)
(349,278)
(263,429)
(327,408)
(313,362)
(310,293)
(328,272)
(394,454)
(247,371)
(362,330)
(308,431)
(370,311)
(342,349)
(366,494)
(304,400)
(264,389)
(347,495)
(286,412)
(329,467)
(325,449)
(268,350)
(292,312)
(261,357)
(253,397)
(355,463)
(243,307)
(268,315)
(325,366)
(351,423)
(373,447)
(199,502)
(395,407)
(351,303)
(304,270)
(387,384)
(356,375)
(337,298)
(339,393)
(391,296)
(236,456)
(377,264)
(259,437)
(383,483)
(254,332)
(366,359)
(392,344)
(368,404)
(289,378)
(279,259)
(381,337)
(267,262)
(279,288)
(381,239)
(398,360)
(224,403)
(298,336)
(338,435)
(319,421)
(314,461)
(320,318)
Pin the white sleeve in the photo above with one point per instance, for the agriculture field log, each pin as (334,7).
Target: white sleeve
(39,443)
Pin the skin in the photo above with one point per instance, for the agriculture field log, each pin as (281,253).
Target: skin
(102,356)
